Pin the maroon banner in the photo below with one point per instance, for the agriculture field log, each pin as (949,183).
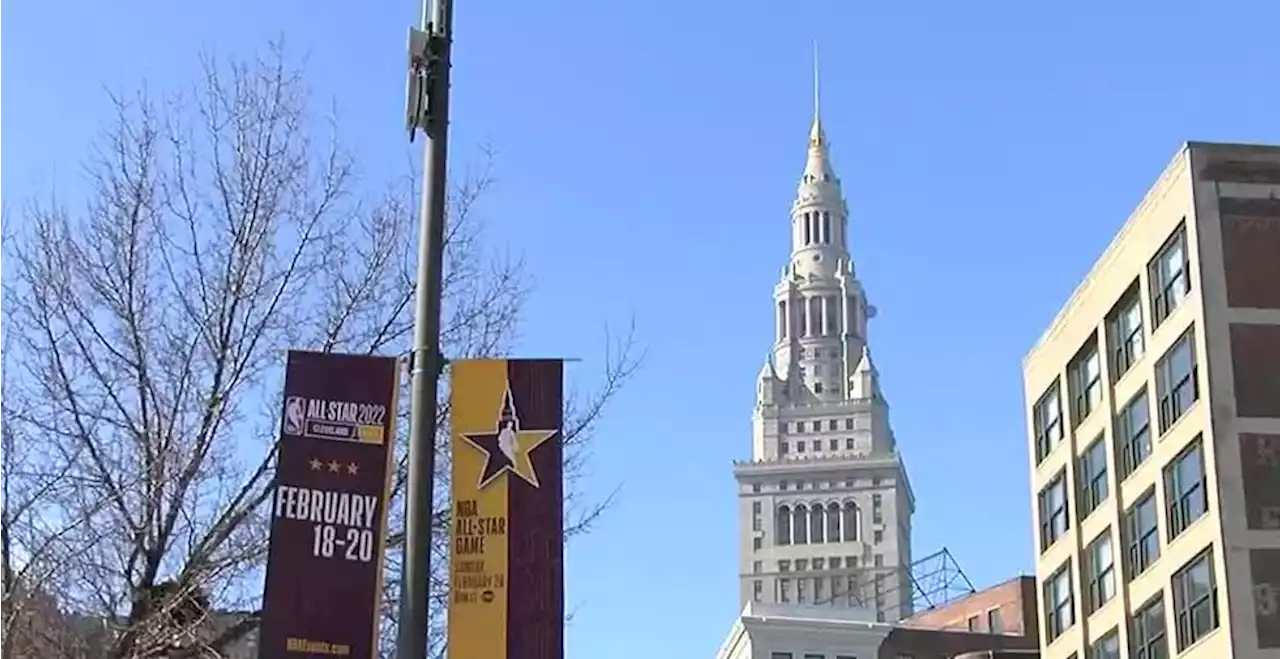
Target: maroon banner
(328,516)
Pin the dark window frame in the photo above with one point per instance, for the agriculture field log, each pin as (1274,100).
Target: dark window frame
(1099,581)
(1049,518)
(1048,431)
(1125,344)
(1168,295)
(1096,649)
(1185,503)
(1093,473)
(1086,387)
(1135,444)
(1142,545)
(1170,395)
(1197,618)
(995,621)
(1148,630)
(1059,616)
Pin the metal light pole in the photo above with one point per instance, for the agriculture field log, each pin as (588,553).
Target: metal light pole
(428,111)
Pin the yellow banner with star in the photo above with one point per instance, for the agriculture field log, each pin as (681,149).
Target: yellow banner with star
(506,597)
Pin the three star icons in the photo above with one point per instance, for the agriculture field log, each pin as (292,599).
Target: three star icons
(334,466)
(508,447)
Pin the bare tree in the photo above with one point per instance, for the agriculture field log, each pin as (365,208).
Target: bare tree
(31,544)
(148,329)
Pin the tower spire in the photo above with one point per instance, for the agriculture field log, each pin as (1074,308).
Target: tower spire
(817,137)
(817,99)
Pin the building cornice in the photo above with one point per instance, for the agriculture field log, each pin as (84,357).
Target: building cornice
(766,467)
(814,625)
(799,409)
(736,634)
(811,621)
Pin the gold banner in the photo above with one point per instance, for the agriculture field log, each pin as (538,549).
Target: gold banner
(507,561)
(478,570)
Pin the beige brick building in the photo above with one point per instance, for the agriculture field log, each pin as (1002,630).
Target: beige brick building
(1153,410)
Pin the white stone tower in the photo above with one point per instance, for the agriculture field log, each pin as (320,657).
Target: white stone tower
(824,503)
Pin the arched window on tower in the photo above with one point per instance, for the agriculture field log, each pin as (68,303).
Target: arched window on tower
(850,524)
(802,320)
(826,227)
(800,525)
(808,230)
(782,319)
(833,522)
(815,315)
(782,524)
(816,527)
(833,311)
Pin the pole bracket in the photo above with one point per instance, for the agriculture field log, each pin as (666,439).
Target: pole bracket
(442,362)
(427,58)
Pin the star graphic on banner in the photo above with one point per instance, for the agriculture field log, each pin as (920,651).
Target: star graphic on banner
(353,468)
(334,466)
(508,447)
(315,464)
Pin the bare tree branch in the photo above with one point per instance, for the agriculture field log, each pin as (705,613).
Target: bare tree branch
(148,323)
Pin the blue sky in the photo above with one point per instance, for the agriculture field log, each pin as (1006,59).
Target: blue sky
(647,154)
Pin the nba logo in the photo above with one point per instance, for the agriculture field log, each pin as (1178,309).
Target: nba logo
(295,411)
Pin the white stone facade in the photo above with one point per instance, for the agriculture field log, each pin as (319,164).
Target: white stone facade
(771,631)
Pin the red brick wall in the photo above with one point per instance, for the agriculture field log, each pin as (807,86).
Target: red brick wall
(1255,360)
(1251,251)
(1016,600)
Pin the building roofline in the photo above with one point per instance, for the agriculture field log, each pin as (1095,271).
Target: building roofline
(1157,190)
(736,632)
(1260,147)
(815,624)
(755,616)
